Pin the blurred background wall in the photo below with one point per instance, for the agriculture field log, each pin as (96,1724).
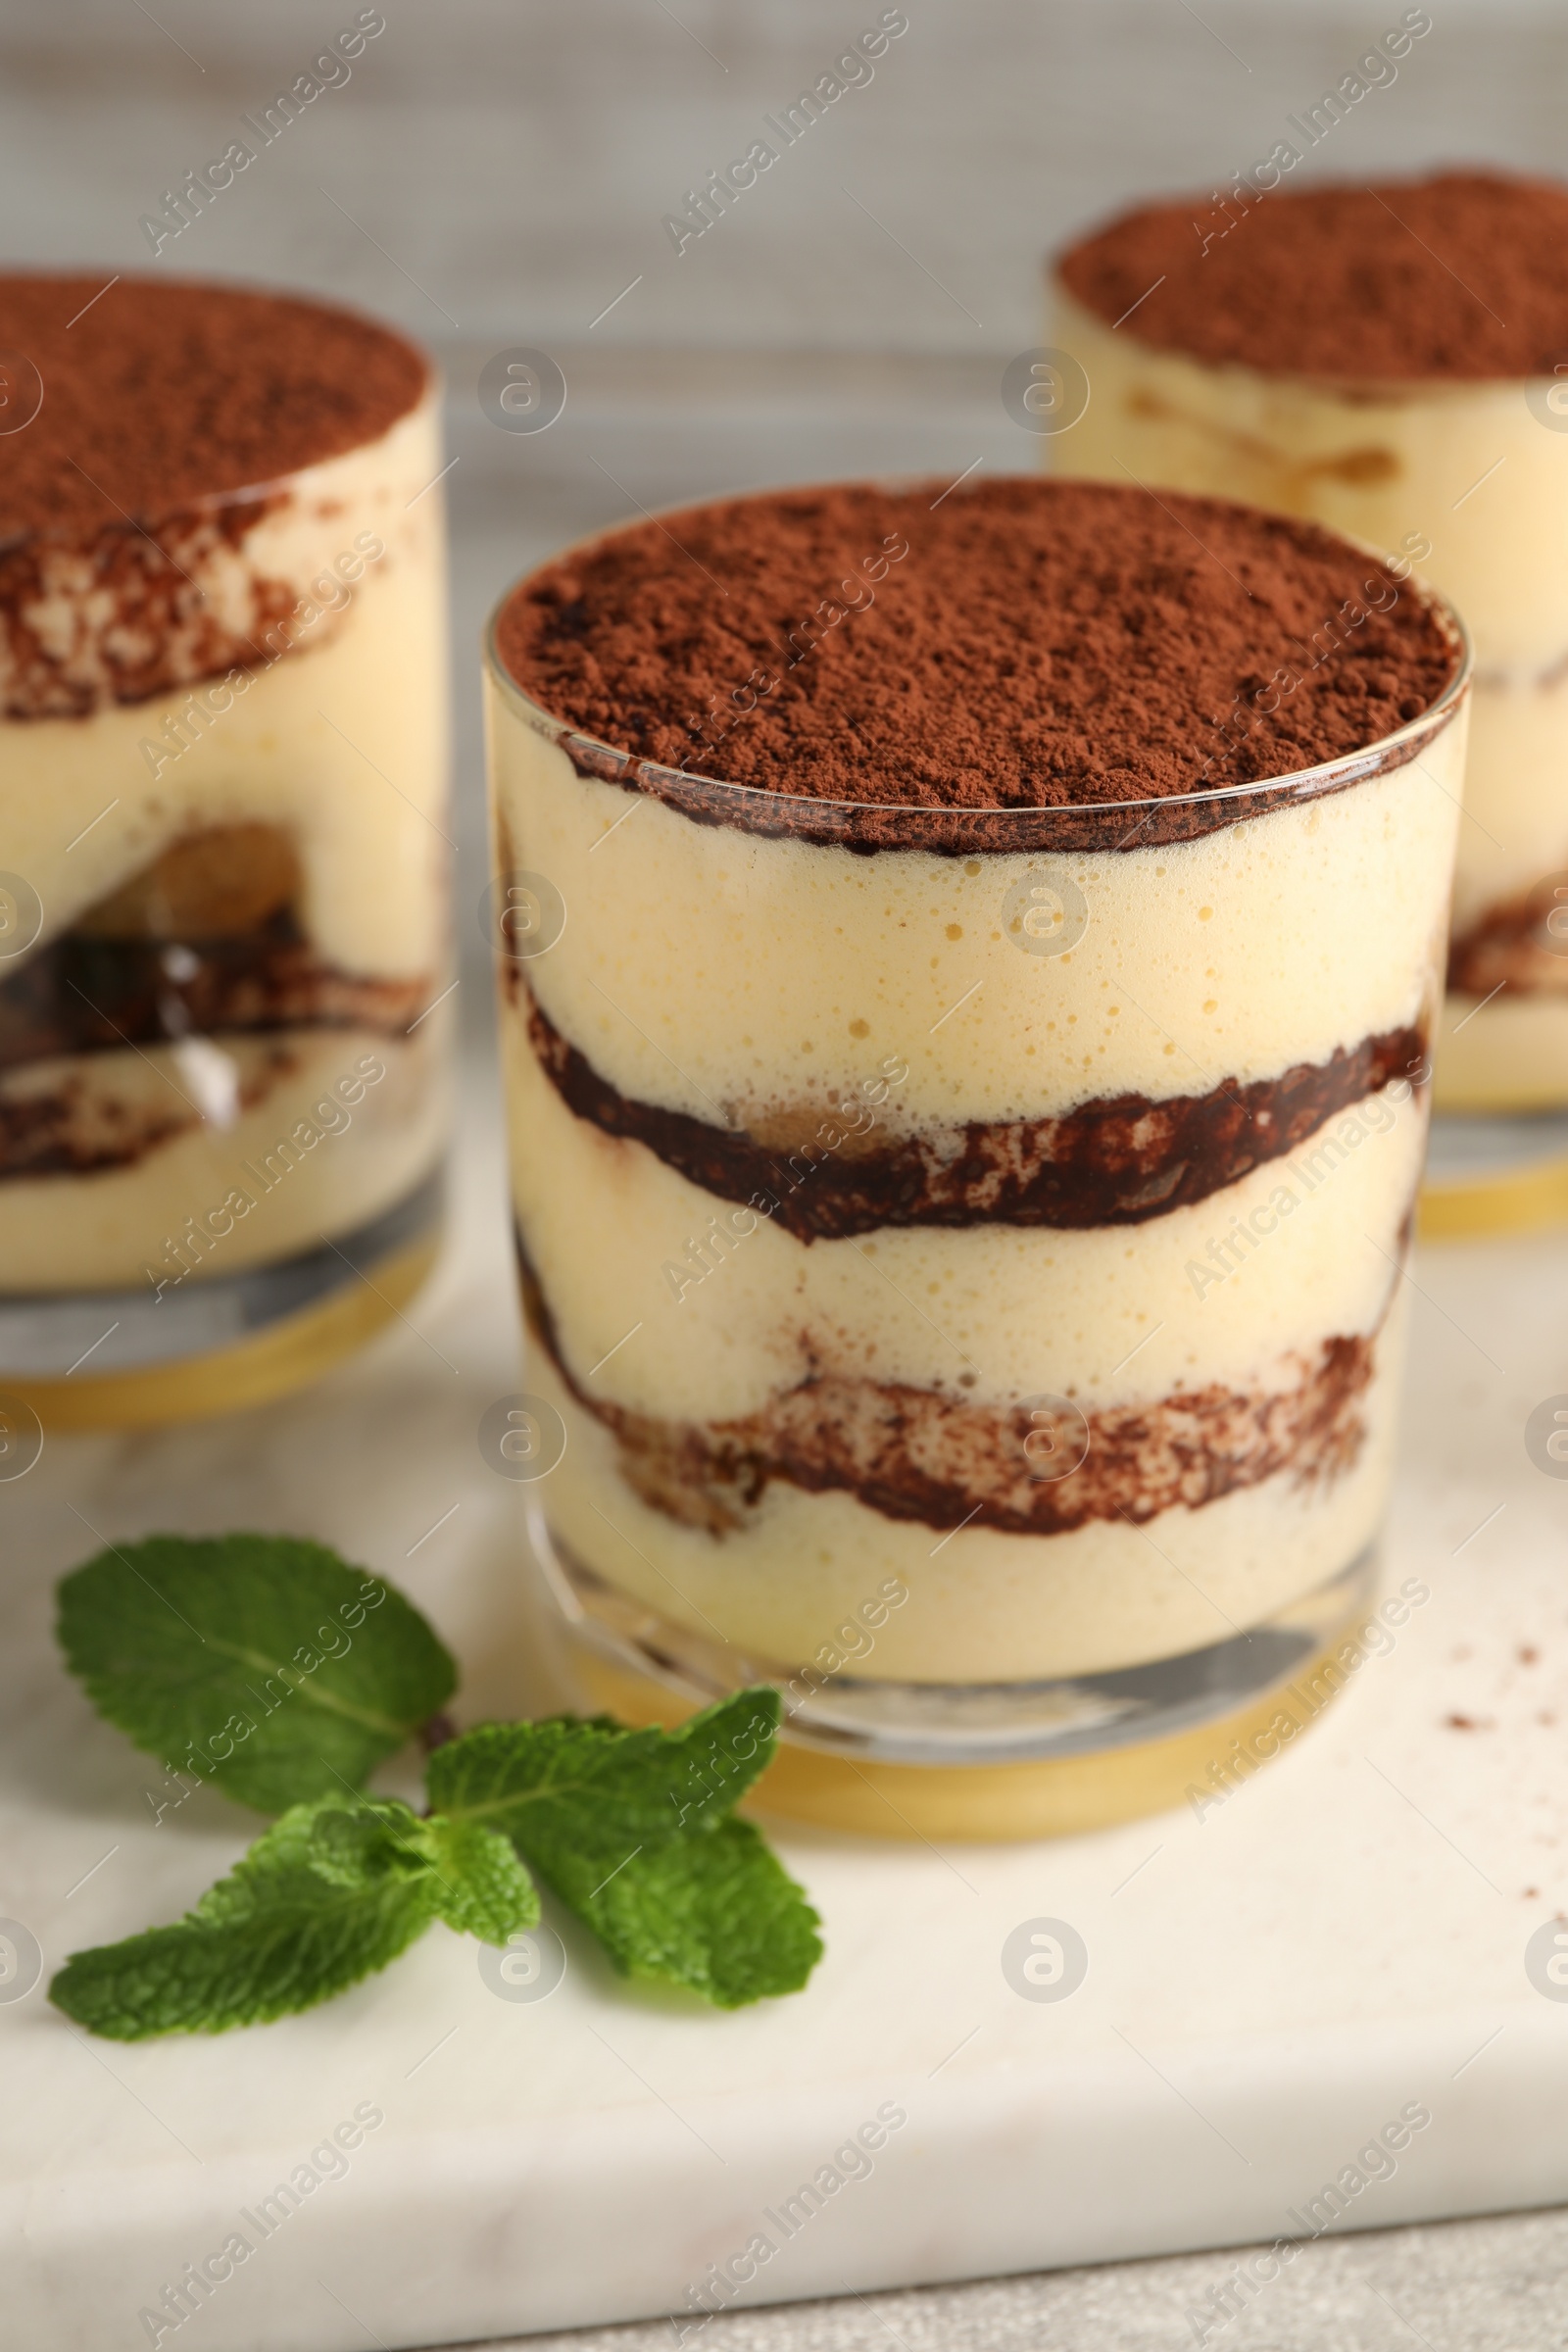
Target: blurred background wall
(513,159)
(497,172)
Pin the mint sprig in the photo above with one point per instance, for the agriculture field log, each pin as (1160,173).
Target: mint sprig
(330,1893)
(633,1830)
(261,1663)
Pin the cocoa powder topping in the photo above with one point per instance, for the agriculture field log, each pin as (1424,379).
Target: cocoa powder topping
(160,393)
(1015,643)
(1463,275)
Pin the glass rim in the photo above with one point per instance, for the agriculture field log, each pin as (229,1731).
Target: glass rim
(809,816)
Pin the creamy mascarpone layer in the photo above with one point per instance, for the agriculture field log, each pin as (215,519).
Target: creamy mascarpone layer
(991,1314)
(1510,1051)
(1511,1054)
(1237,955)
(342,742)
(985,1606)
(1469,469)
(308,1131)
(1516,794)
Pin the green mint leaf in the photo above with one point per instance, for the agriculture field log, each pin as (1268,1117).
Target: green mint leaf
(263,1664)
(716,1912)
(329,1893)
(594,1781)
(633,1831)
(482,1888)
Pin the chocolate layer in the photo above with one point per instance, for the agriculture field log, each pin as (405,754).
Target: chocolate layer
(1117,1160)
(915,1454)
(68,1125)
(87,995)
(1520,944)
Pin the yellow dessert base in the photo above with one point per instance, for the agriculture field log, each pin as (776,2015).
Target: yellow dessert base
(287,1354)
(1057,1798)
(1522,1200)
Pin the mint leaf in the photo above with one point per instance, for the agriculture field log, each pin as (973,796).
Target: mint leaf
(595,1781)
(263,1664)
(272,1668)
(326,1895)
(482,1887)
(329,1893)
(716,1912)
(633,1831)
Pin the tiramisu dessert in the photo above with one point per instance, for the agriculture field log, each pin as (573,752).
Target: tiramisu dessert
(964,1026)
(1393,360)
(222,909)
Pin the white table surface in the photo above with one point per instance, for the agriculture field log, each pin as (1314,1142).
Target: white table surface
(1266,1988)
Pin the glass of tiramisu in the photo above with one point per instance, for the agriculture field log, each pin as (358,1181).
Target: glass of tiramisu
(223,917)
(967,1117)
(1393,360)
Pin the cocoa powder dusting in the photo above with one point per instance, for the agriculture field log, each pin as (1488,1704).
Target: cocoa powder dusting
(1461,275)
(1016,643)
(163,392)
